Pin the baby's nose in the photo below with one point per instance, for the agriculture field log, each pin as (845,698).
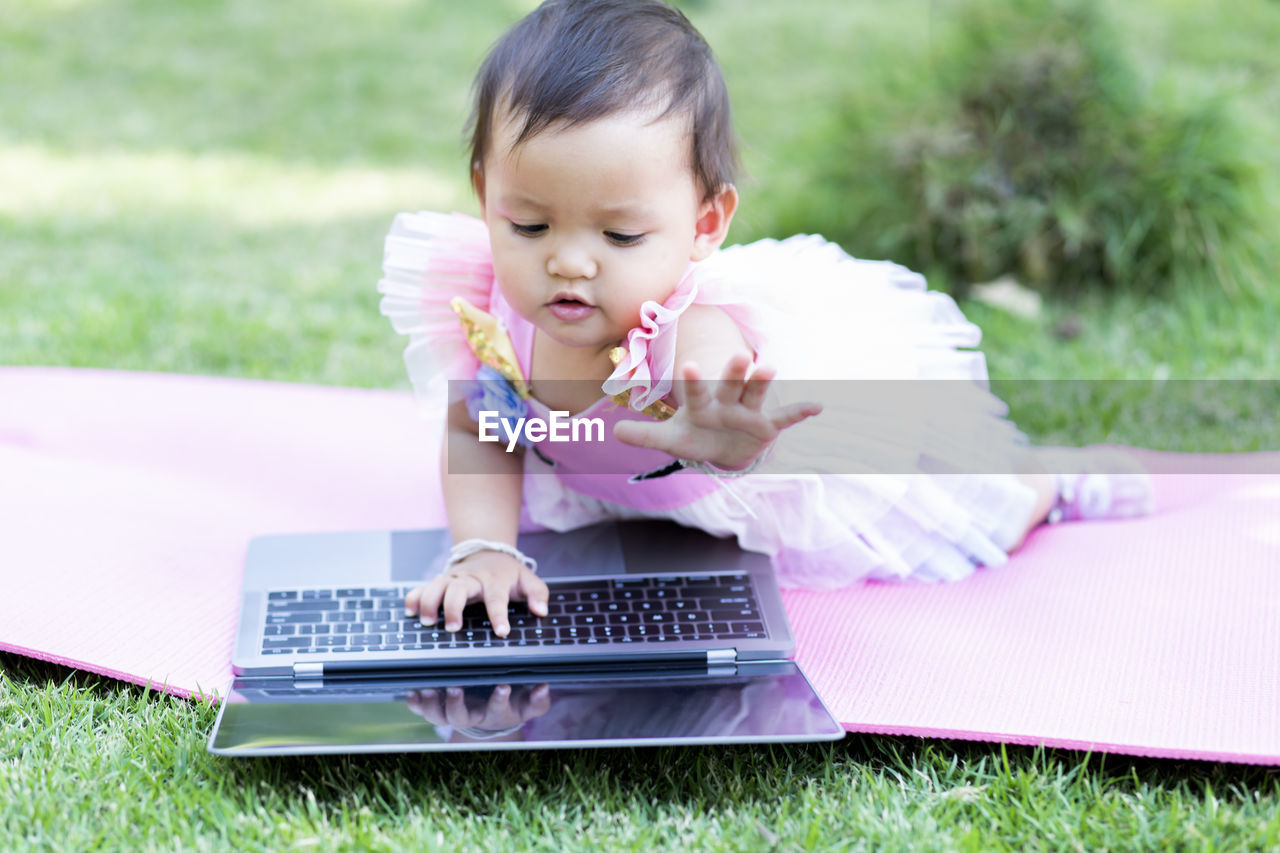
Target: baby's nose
(568,261)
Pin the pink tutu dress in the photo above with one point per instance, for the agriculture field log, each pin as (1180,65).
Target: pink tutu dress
(826,506)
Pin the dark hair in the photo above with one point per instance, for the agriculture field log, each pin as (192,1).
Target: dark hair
(573,61)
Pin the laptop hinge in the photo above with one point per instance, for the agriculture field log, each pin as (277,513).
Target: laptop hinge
(308,670)
(722,656)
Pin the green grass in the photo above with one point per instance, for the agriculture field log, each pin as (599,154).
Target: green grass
(86,762)
(203,187)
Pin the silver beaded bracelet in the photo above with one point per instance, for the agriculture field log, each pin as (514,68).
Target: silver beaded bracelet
(467,547)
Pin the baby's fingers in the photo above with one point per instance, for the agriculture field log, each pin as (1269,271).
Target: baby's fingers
(497,594)
(639,433)
(427,704)
(456,712)
(497,712)
(458,590)
(424,600)
(757,386)
(696,393)
(733,380)
(791,415)
(535,592)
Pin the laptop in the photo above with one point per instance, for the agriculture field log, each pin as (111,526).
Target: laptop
(656,635)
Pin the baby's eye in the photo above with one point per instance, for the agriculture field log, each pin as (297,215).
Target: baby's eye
(623,239)
(528,230)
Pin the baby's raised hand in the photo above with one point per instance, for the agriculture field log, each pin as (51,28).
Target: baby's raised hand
(489,576)
(728,428)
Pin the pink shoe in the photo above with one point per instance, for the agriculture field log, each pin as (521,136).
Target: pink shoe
(1097,483)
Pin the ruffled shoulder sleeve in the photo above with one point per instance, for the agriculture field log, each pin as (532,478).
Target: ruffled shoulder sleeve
(429,260)
(645,366)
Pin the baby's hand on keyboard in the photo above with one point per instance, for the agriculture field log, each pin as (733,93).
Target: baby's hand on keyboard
(488,576)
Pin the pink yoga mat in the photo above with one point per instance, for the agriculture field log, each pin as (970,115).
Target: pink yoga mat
(126,501)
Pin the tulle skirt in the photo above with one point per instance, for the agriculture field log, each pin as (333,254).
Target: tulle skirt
(909,470)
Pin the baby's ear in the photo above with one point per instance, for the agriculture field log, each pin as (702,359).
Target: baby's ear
(714,216)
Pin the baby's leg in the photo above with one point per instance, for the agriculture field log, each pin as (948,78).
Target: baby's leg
(1083,484)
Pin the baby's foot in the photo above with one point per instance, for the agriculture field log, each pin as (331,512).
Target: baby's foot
(1095,483)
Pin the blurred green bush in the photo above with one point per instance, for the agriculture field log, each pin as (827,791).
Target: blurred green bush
(1026,145)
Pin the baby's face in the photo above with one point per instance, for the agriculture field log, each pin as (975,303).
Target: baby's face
(588,222)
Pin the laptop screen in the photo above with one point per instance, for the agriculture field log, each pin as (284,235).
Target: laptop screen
(766,702)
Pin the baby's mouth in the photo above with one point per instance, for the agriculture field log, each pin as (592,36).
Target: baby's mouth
(568,308)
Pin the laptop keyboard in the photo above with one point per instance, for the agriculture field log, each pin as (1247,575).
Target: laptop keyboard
(348,620)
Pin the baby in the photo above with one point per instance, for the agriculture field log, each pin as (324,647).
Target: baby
(603,160)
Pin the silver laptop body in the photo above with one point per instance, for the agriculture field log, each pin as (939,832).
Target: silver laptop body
(668,686)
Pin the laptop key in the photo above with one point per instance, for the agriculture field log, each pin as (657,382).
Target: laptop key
(280,630)
(285,642)
(351,592)
(300,606)
(344,616)
(284,595)
(734,615)
(293,618)
(384,592)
